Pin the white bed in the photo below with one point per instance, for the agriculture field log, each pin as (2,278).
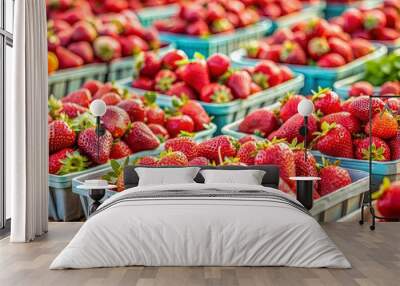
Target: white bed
(201,225)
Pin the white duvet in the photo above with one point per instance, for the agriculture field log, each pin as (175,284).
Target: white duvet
(202,231)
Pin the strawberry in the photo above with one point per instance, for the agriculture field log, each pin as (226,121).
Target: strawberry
(247,153)
(278,153)
(385,34)
(147,161)
(185,145)
(374,19)
(60,135)
(67,161)
(134,108)
(393,104)
(195,74)
(143,83)
(392,17)
(292,53)
(286,73)
(334,140)
(346,104)
(178,123)
(260,122)
(92,85)
(388,199)
(140,137)
(159,131)
(199,161)
(333,178)
(192,12)
(198,28)
(171,158)
(361,88)
(68,59)
(148,64)
(81,96)
(316,27)
(154,114)
(97,149)
(181,89)
(384,125)
(352,20)
(106,88)
(196,111)
(380,150)
(164,80)
(217,148)
(361,47)
(289,105)
(83,50)
(221,26)
(273,53)
(216,93)
(120,150)
(107,48)
(326,101)
(246,138)
(170,59)
(394,145)
(218,64)
(255,49)
(132,45)
(346,119)
(116,121)
(282,35)
(342,48)
(83,31)
(359,107)
(49,118)
(111,98)
(240,84)
(267,74)
(390,88)
(214,11)
(331,60)
(317,47)
(72,110)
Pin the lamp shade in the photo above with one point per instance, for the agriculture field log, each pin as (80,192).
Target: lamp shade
(305,107)
(98,107)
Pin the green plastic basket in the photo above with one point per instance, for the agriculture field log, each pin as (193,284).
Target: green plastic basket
(333,10)
(64,81)
(147,16)
(316,77)
(229,112)
(222,43)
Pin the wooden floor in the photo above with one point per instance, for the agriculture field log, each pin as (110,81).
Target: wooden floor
(375,257)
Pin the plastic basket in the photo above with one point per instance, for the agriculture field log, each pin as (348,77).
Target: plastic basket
(222,43)
(147,16)
(329,208)
(315,76)
(228,112)
(333,10)
(64,81)
(342,87)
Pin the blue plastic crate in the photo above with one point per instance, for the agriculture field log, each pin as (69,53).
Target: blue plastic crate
(220,43)
(333,10)
(147,16)
(229,112)
(316,77)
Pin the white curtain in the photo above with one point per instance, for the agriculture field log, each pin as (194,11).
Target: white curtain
(26,121)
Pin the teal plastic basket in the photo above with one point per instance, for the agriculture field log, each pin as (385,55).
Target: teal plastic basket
(391,46)
(221,43)
(64,81)
(147,16)
(334,10)
(226,113)
(316,77)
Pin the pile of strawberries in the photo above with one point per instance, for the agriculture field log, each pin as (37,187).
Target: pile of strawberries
(313,42)
(275,8)
(132,124)
(203,18)
(77,37)
(212,80)
(366,88)
(116,6)
(381,23)
(339,129)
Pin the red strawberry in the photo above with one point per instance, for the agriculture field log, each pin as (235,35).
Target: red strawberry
(132,45)
(316,27)
(198,28)
(342,48)
(97,149)
(181,89)
(214,12)
(260,122)
(199,161)
(60,136)
(159,131)
(384,125)
(361,88)
(170,59)
(164,80)
(68,59)
(246,138)
(84,50)
(81,96)
(331,60)
(286,73)
(107,48)
(388,199)
(49,118)
(292,53)
(345,119)
(147,161)
(278,153)
(192,12)
(178,123)
(148,64)
(386,34)
(83,31)
(217,148)
(140,138)
(195,74)
(116,120)
(317,47)
(111,98)
(346,104)
(326,101)
(196,111)
(267,74)
(352,20)
(185,145)
(134,108)
(334,140)
(106,88)
(218,64)
(92,85)
(374,19)
(333,178)
(394,144)
(289,105)
(273,53)
(390,87)
(247,152)
(222,26)
(72,110)
(216,93)
(282,35)
(380,150)
(359,107)
(240,84)
(361,47)
(392,17)
(143,83)
(170,158)
(154,114)
(66,161)
(120,150)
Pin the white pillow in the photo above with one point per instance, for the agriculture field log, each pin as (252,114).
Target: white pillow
(247,177)
(166,176)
